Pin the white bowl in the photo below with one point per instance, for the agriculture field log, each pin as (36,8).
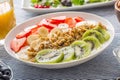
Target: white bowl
(26,5)
(37,19)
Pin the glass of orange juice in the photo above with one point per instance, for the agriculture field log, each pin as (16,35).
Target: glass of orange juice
(7,18)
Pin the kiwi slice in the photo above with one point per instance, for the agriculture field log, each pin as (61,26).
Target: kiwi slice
(95,33)
(81,49)
(68,53)
(103,31)
(93,41)
(49,56)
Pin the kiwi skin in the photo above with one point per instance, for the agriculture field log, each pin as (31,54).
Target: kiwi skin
(92,39)
(84,45)
(42,52)
(94,33)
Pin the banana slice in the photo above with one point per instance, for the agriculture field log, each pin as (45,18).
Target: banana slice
(43,32)
(32,38)
(35,44)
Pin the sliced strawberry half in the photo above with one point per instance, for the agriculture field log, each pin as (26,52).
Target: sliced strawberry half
(78,19)
(17,44)
(71,22)
(57,20)
(34,30)
(47,24)
(23,34)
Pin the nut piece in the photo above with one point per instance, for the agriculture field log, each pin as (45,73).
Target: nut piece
(31,52)
(56,30)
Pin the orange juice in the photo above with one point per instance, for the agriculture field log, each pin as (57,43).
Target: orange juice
(7,18)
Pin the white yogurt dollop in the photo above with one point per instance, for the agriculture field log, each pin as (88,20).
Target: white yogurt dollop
(64,27)
(22,53)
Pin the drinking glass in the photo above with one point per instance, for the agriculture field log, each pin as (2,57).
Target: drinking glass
(7,18)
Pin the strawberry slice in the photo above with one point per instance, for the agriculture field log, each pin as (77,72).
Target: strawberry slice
(23,34)
(78,19)
(71,22)
(53,21)
(34,30)
(17,44)
(57,20)
(47,24)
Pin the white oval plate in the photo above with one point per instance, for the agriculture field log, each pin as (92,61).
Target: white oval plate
(26,6)
(37,19)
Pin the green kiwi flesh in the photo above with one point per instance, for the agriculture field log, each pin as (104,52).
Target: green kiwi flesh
(49,56)
(93,40)
(94,33)
(81,49)
(103,31)
(68,53)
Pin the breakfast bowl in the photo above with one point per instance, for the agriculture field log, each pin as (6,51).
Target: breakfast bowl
(83,35)
(117,9)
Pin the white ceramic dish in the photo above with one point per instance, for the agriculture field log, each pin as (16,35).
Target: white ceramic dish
(26,6)
(37,19)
